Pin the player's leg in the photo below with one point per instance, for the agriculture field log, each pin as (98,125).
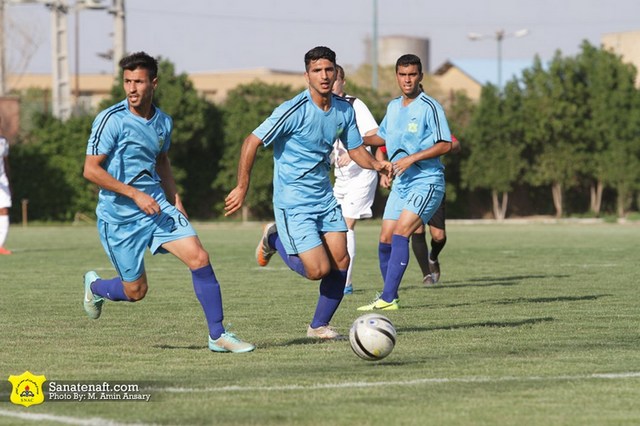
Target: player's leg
(5,204)
(438,241)
(421,253)
(178,237)
(125,245)
(351,249)
(4,229)
(332,285)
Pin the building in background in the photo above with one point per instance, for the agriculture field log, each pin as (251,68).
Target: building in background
(627,45)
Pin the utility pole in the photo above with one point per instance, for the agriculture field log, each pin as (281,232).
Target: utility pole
(61,89)
(3,68)
(119,35)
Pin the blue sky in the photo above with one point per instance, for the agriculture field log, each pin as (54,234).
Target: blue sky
(215,35)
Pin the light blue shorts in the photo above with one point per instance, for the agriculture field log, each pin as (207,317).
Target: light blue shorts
(423,200)
(300,232)
(125,243)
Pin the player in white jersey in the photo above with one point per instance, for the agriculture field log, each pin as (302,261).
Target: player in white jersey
(5,194)
(309,233)
(354,187)
(139,205)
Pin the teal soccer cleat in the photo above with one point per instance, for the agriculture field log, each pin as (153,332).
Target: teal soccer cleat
(92,303)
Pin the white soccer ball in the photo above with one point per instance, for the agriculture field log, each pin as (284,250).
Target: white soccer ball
(372,337)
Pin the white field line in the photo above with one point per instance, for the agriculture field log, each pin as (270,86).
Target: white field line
(67,420)
(93,421)
(414,382)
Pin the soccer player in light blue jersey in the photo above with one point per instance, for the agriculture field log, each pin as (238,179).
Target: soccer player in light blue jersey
(309,231)
(139,206)
(416,134)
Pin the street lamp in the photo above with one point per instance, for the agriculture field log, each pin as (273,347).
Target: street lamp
(499,36)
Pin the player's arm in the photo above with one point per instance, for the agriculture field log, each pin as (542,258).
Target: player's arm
(455,145)
(381,155)
(94,172)
(234,200)
(168,182)
(440,148)
(373,139)
(365,160)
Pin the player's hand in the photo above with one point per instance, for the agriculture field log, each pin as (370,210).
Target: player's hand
(385,181)
(401,166)
(384,168)
(234,200)
(344,160)
(146,203)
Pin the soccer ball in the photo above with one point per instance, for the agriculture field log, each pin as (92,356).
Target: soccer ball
(372,337)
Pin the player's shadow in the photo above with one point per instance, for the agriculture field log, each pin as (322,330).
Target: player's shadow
(489,281)
(525,300)
(179,347)
(496,324)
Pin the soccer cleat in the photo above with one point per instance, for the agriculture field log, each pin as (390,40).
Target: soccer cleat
(264,251)
(4,251)
(229,342)
(323,332)
(348,289)
(380,305)
(92,303)
(428,280)
(434,267)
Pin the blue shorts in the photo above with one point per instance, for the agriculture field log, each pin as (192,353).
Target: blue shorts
(300,232)
(423,200)
(125,243)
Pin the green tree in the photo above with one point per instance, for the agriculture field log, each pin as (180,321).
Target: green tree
(494,142)
(245,108)
(611,126)
(552,106)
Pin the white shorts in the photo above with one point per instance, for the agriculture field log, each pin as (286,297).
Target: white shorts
(5,196)
(355,195)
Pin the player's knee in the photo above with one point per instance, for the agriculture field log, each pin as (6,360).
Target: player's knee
(199,260)
(317,272)
(136,292)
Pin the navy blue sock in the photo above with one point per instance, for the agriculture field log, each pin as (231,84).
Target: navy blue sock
(331,294)
(208,293)
(292,261)
(384,251)
(109,289)
(398,262)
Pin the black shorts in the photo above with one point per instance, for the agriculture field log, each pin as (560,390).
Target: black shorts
(438,218)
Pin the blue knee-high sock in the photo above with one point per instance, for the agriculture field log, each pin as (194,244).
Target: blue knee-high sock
(109,289)
(292,261)
(384,251)
(208,293)
(331,294)
(398,262)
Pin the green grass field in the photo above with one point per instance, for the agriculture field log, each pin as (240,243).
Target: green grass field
(531,325)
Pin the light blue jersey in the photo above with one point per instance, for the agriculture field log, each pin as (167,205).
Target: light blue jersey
(411,129)
(131,145)
(302,136)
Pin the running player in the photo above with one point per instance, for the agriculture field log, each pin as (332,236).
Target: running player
(309,229)
(139,206)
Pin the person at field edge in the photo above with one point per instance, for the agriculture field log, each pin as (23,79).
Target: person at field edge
(5,194)
(354,187)
(309,231)
(416,133)
(428,261)
(139,206)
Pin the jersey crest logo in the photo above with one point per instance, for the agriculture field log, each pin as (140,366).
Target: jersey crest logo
(412,127)
(27,389)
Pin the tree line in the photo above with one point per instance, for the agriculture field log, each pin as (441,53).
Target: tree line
(563,138)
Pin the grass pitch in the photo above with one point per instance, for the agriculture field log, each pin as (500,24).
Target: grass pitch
(531,324)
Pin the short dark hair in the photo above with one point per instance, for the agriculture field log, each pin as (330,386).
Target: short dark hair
(318,52)
(340,71)
(140,60)
(409,59)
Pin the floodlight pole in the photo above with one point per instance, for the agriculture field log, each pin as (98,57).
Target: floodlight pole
(499,37)
(374,48)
